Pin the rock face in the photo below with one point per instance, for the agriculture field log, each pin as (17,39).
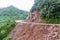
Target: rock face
(34,16)
(35,31)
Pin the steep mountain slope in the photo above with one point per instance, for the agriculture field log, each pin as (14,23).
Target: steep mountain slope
(49,10)
(13,13)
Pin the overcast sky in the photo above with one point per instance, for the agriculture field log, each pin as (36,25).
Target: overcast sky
(20,4)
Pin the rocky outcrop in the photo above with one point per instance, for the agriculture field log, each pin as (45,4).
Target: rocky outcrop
(34,16)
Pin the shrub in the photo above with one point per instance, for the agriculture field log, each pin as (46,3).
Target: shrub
(6,27)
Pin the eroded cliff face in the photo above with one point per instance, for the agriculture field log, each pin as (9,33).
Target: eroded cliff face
(31,29)
(34,16)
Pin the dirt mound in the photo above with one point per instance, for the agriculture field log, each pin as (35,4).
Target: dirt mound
(34,31)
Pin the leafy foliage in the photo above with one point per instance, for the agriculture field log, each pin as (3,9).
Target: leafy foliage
(6,27)
(7,17)
(51,20)
(7,38)
(38,4)
(49,9)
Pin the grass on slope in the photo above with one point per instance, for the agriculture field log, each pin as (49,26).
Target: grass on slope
(52,20)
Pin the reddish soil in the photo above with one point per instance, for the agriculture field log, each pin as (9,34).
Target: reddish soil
(31,29)
(34,31)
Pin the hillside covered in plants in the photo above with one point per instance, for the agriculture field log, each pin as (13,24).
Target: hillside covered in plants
(13,13)
(8,16)
(6,26)
(49,10)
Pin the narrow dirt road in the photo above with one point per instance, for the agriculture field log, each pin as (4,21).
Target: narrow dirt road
(34,31)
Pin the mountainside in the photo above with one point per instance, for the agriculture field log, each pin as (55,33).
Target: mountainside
(13,12)
(49,10)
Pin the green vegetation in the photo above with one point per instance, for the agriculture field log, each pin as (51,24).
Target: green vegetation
(13,13)
(51,20)
(7,38)
(49,9)
(6,26)
(8,16)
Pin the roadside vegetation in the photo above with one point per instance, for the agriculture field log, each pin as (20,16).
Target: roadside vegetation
(6,26)
(49,10)
(8,16)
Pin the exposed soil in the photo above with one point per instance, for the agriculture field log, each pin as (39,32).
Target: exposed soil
(34,31)
(31,29)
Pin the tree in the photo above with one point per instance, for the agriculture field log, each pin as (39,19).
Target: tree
(49,8)
(37,5)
